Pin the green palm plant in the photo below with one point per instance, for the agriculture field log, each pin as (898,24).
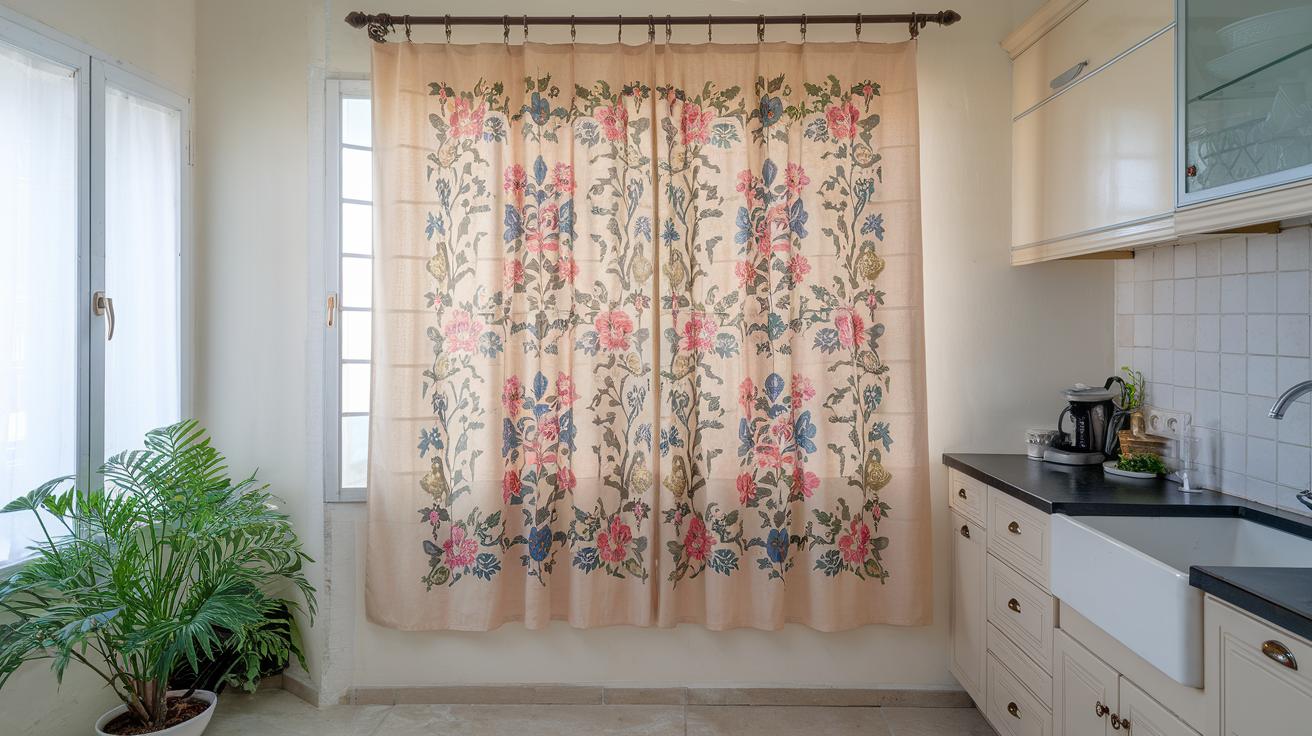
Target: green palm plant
(165,569)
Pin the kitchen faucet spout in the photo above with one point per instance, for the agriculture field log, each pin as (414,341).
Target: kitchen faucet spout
(1288,397)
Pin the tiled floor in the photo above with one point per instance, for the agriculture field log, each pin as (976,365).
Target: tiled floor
(279,713)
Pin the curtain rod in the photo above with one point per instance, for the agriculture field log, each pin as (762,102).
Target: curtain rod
(380,24)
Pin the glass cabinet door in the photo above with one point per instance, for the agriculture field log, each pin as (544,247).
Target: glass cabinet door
(1245,85)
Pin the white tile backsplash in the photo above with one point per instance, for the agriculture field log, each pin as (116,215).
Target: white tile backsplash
(1219,328)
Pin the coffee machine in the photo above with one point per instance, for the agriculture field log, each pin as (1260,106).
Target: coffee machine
(1095,421)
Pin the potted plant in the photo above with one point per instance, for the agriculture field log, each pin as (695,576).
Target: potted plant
(170,568)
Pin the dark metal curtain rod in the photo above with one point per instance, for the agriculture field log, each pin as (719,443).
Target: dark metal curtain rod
(380,24)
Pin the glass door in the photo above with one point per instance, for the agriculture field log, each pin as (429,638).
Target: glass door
(1245,95)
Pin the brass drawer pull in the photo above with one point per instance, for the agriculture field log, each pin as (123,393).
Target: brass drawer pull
(965,531)
(961,492)
(1280,653)
(1013,710)
(1014,528)
(1100,710)
(1014,605)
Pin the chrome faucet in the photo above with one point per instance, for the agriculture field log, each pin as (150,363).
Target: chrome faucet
(1287,398)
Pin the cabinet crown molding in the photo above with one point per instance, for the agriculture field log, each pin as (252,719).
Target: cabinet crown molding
(1043,20)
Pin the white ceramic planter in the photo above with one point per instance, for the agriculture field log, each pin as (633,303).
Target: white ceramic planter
(194,727)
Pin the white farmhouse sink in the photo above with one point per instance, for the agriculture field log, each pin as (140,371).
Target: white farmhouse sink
(1130,576)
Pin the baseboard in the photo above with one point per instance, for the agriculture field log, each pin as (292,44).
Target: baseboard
(300,687)
(548,694)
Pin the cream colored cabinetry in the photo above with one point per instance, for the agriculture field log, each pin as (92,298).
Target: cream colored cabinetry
(1261,676)
(967,619)
(1090,698)
(1093,158)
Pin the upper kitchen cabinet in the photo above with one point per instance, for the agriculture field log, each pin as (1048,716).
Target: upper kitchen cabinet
(1245,112)
(1093,131)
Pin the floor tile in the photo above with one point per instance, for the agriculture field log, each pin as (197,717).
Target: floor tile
(279,713)
(745,720)
(937,722)
(539,720)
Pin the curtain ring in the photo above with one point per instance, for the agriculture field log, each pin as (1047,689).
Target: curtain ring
(526,29)
(505,29)
(708,28)
(668,30)
(803,27)
(620,25)
(571,29)
(651,30)
(760,28)
(448,28)
(406,21)
(858,26)
(914,31)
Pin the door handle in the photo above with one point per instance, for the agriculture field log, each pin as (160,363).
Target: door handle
(961,492)
(1100,710)
(1013,710)
(1014,528)
(1067,76)
(332,309)
(1280,653)
(1118,724)
(965,531)
(102,305)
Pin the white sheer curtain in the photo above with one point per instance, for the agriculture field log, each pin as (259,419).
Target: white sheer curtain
(38,283)
(141,267)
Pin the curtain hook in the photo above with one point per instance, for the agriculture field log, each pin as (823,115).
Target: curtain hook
(526,29)
(448,28)
(914,31)
(620,25)
(858,26)
(803,27)
(651,30)
(760,28)
(668,30)
(406,21)
(571,29)
(708,28)
(505,29)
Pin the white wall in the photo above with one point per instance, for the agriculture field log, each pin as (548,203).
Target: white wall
(156,36)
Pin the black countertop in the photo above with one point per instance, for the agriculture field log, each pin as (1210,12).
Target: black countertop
(1282,595)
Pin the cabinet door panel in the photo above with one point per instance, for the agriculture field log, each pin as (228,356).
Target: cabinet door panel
(1082,686)
(1143,716)
(1100,155)
(1259,696)
(1096,33)
(967,645)
(1021,610)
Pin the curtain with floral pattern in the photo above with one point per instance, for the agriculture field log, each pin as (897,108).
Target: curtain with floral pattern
(648,337)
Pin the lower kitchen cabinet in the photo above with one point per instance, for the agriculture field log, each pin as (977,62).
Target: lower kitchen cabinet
(1143,716)
(1262,677)
(967,618)
(1010,708)
(1084,690)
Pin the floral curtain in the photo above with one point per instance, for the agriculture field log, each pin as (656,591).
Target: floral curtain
(648,337)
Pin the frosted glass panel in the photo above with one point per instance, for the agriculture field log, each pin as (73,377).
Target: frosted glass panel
(142,245)
(357,282)
(356,123)
(357,174)
(355,388)
(355,335)
(355,451)
(38,283)
(357,229)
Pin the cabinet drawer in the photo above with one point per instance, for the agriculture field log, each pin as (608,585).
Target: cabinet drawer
(1096,33)
(1100,155)
(1021,536)
(1011,709)
(967,496)
(1022,611)
(1259,695)
(1032,676)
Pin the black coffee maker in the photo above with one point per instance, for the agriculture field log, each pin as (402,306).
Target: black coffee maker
(1095,421)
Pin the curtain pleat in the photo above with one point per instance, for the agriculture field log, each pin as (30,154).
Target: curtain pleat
(648,337)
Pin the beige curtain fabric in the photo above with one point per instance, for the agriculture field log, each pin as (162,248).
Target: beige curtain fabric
(648,337)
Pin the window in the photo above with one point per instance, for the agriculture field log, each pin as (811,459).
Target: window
(349,234)
(83,142)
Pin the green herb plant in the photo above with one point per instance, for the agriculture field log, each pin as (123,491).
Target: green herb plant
(170,567)
(1132,390)
(1141,462)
